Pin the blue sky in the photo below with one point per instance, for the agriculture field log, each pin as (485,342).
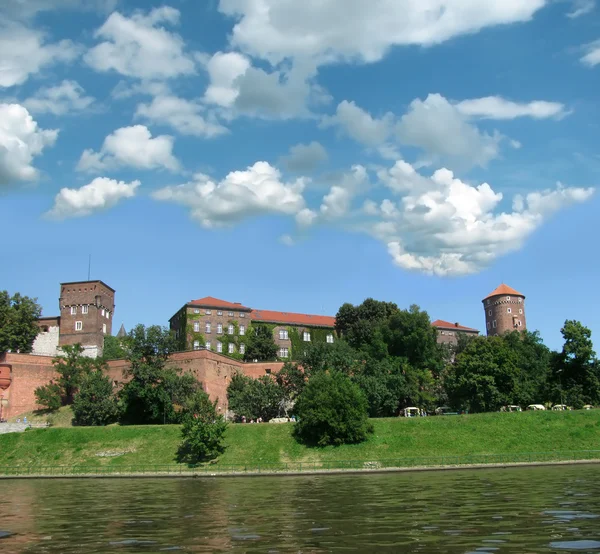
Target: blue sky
(296,156)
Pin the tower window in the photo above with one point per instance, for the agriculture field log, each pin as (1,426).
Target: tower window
(488,325)
(519,323)
(102,312)
(73,310)
(520,300)
(104,328)
(494,324)
(78,325)
(520,311)
(508,298)
(84,309)
(490,313)
(508,310)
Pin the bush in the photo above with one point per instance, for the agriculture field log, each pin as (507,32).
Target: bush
(332,410)
(203,430)
(95,403)
(49,396)
(254,398)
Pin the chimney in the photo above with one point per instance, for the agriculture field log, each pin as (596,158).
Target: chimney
(456,325)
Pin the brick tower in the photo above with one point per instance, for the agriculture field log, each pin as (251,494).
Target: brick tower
(86,314)
(504,311)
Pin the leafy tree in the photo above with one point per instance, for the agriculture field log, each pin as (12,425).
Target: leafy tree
(332,410)
(203,430)
(291,381)
(95,403)
(49,396)
(154,392)
(261,345)
(18,316)
(113,348)
(320,356)
(254,398)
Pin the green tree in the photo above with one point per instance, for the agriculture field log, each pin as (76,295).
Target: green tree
(49,396)
(95,402)
(260,344)
(113,348)
(254,398)
(18,316)
(332,410)
(291,379)
(203,430)
(321,356)
(154,392)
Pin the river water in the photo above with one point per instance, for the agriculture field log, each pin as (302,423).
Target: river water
(549,509)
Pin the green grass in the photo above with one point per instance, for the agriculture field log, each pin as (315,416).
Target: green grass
(63,417)
(253,444)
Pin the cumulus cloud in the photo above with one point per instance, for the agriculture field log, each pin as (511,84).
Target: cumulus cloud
(592,56)
(258,190)
(445,134)
(25,51)
(100,194)
(306,217)
(25,9)
(338,201)
(20,141)
(140,46)
(224,68)
(496,107)
(67,97)
(440,225)
(132,147)
(186,116)
(305,157)
(581,7)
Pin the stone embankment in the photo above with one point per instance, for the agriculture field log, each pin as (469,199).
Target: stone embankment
(13,427)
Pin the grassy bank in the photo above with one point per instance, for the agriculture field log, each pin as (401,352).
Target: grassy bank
(118,447)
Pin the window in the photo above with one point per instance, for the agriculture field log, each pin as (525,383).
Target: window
(73,310)
(107,314)
(196,345)
(490,313)
(230,348)
(84,309)
(242,314)
(219,312)
(330,338)
(519,323)
(219,328)
(219,347)
(242,330)
(78,326)
(488,325)
(283,334)
(104,328)
(242,348)
(508,298)
(520,311)
(102,312)
(494,324)
(207,327)
(508,311)
(196,326)
(488,302)
(520,300)
(207,345)
(196,310)
(230,330)
(208,312)
(283,352)
(268,371)
(230,314)
(306,336)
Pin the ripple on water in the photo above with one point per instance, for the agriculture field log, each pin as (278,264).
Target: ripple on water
(576,545)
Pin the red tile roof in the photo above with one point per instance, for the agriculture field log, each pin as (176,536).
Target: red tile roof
(211,302)
(504,289)
(292,318)
(441,324)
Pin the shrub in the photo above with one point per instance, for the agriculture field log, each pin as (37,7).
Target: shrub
(332,410)
(95,403)
(203,430)
(49,396)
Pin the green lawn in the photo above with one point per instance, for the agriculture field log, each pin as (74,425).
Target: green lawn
(253,444)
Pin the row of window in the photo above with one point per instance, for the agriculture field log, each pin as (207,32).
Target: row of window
(520,300)
(284,335)
(508,311)
(207,328)
(79,326)
(85,310)
(230,347)
(219,312)
(517,323)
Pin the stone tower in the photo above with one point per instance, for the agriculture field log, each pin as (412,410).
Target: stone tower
(86,314)
(504,311)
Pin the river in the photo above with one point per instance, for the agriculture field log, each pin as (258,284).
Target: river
(547,509)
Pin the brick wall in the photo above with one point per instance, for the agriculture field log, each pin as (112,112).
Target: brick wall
(503,314)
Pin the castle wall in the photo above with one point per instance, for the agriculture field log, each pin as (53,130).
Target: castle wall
(46,343)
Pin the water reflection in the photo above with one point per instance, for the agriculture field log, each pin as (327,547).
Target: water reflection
(518,510)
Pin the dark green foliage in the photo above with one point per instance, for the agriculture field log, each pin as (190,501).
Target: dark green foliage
(254,398)
(332,410)
(49,396)
(113,348)
(155,393)
(203,430)
(95,403)
(292,380)
(260,344)
(322,356)
(18,316)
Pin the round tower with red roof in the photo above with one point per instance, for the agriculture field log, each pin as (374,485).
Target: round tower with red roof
(504,311)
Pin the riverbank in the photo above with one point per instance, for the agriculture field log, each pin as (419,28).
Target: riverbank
(479,439)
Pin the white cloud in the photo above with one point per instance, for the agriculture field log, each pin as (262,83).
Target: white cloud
(68,97)
(24,52)
(306,217)
(141,47)
(24,9)
(133,147)
(224,68)
(496,107)
(20,141)
(354,29)
(443,226)
(100,194)
(305,157)
(338,201)
(581,7)
(444,133)
(258,190)
(592,56)
(360,125)
(183,115)
(287,240)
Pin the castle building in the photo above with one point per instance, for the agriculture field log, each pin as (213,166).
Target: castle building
(86,315)
(447,333)
(504,311)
